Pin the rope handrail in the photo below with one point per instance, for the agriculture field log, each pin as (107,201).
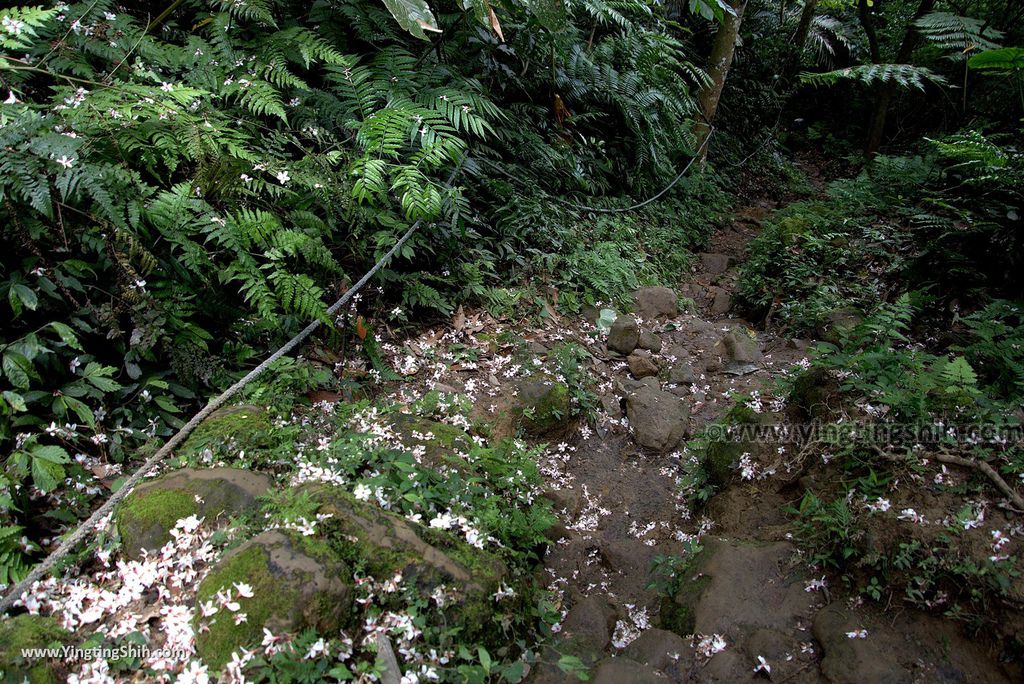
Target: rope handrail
(86,527)
(633,207)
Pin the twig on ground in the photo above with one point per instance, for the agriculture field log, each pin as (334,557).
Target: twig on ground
(981,466)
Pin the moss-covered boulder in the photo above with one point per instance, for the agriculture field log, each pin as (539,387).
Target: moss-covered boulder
(815,395)
(738,435)
(381,544)
(542,403)
(838,323)
(230,430)
(292,589)
(28,632)
(437,444)
(149,513)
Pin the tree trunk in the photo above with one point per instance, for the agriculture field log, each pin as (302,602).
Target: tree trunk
(722,50)
(867,22)
(887,91)
(800,39)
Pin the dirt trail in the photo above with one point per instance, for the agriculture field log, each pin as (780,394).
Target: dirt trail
(751,603)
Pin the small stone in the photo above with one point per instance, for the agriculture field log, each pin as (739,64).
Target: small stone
(714,264)
(589,623)
(738,346)
(656,302)
(624,335)
(621,670)
(612,406)
(659,419)
(656,647)
(721,302)
(649,340)
(642,364)
(681,374)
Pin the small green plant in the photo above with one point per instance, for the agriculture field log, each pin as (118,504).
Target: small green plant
(669,572)
(831,530)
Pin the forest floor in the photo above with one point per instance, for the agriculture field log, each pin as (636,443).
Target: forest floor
(756,608)
(753,603)
(651,582)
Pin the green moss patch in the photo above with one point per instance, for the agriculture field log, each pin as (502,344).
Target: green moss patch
(30,631)
(543,403)
(145,521)
(224,636)
(292,590)
(238,428)
(147,515)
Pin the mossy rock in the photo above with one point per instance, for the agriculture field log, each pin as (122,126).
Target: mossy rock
(676,613)
(526,352)
(442,447)
(838,323)
(241,428)
(292,590)
(814,394)
(721,455)
(542,403)
(382,544)
(31,631)
(147,516)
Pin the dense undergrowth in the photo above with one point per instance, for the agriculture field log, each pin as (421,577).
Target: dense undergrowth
(183,191)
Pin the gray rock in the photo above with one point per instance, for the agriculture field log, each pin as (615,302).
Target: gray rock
(622,670)
(642,364)
(659,419)
(656,302)
(850,661)
(624,335)
(612,406)
(714,264)
(629,556)
(567,500)
(681,374)
(721,302)
(738,346)
(656,647)
(590,623)
(148,514)
(649,340)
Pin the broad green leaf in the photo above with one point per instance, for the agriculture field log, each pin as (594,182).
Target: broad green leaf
(414,16)
(1003,60)
(67,335)
(18,369)
(16,401)
(51,453)
(25,295)
(46,475)
(99,377)
(166,404)
(82,410)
